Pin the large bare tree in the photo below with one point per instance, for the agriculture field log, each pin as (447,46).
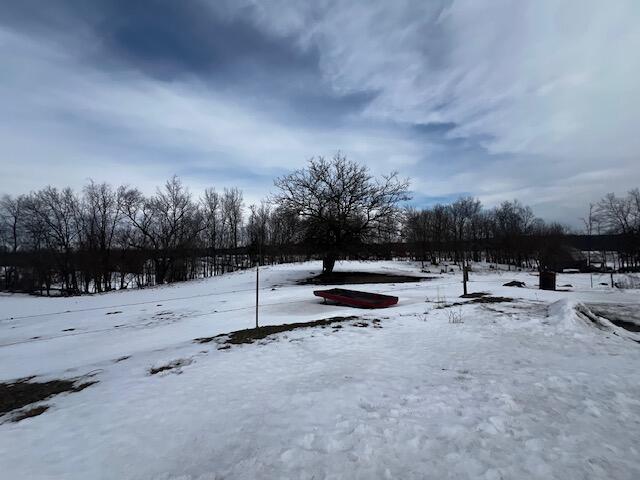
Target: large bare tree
(341,203)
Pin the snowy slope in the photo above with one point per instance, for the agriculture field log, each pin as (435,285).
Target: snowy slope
(523,389)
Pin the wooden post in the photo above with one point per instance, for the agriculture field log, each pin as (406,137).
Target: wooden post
(465,277)
(611,279)
(257,291)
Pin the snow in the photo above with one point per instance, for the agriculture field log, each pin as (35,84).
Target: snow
(525,389)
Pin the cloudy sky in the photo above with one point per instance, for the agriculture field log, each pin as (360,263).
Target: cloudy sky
(500,99)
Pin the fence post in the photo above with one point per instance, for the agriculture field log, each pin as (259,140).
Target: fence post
(257,284)
(465,278)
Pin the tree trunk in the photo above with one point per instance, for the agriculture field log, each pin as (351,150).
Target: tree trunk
(328,262)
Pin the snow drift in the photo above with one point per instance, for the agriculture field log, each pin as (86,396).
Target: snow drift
(570,316)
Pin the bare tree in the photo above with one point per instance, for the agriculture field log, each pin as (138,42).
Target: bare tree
(232,210)
(615,213)
(419,230)
(59,212)
(211,208)
(621,216)
(634,201)
(285,231)
(341,203)
(257,228)
(512,221)
(102,215)
(590,222)
(167,223)
(11,226)
(463,212)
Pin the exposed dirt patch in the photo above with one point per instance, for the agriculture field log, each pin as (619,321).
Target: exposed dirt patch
(175,365)
(23,392)
(484,298)
(114,313)
(360,324)
(252,334)
(122,359)
(474,295)
(346,278)
(492,300)
(441,306)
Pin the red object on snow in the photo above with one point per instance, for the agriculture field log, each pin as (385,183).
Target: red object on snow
(355,298)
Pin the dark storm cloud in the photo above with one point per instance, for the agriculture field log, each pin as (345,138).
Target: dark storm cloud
(171,40)
(163,38)
(168,39)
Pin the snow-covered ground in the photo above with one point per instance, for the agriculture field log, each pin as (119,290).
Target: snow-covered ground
(532,388)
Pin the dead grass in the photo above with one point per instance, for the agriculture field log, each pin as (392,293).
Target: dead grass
(251,335)
(474,295)
(32,412)
(476,298)
(492,300)
(23,392)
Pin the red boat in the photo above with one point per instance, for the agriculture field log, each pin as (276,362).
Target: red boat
(355,298)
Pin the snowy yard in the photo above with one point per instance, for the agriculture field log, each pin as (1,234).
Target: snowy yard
(535,386)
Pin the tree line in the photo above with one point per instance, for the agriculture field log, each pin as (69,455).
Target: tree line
(464,230)
(511,234)
(104,237)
